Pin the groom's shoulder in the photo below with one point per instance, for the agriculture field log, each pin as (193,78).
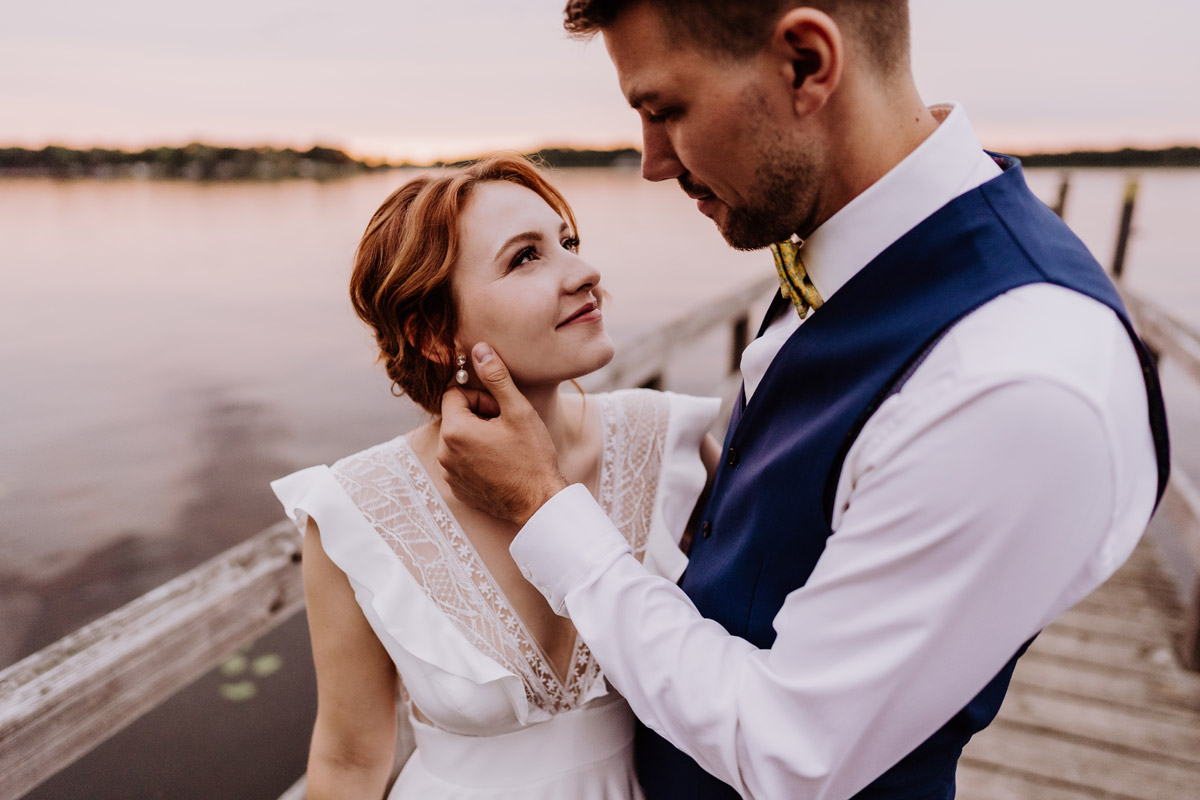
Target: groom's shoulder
(1039,332)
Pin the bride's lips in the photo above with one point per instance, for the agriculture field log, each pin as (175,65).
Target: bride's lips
(588,312)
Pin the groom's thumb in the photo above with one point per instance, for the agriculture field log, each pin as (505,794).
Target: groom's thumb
(495,378)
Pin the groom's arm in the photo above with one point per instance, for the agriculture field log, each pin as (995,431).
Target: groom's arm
(920,596)
(916,603)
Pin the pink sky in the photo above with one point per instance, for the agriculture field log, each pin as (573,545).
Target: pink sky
(417,80)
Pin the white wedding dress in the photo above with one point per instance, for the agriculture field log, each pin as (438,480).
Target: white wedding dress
(504,726)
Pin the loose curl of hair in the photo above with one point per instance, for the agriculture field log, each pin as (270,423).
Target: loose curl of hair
(401,280)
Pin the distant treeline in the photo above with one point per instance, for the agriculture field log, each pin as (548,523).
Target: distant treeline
(207,162)
(556,157)
(193,162)
(1128,157)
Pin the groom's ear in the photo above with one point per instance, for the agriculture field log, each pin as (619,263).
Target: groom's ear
(810,47)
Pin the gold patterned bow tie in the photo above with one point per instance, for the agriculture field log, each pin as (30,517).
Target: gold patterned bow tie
(794,283)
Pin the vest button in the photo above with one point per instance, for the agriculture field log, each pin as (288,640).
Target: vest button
(706,530)
(732,458)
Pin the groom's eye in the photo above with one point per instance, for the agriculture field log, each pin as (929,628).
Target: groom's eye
(661,116)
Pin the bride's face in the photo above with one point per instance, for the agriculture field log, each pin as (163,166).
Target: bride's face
(521,287)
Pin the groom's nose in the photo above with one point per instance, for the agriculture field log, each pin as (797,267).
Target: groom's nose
(659,162)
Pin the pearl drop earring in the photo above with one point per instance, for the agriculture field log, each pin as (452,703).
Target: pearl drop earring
(461,376)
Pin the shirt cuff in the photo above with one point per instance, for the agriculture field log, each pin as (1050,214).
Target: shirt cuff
(565,543)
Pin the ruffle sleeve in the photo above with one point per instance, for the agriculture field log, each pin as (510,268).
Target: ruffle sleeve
(680,482)
(410,626)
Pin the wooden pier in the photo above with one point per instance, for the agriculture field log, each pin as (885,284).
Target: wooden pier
(1106,703)
(1099,707)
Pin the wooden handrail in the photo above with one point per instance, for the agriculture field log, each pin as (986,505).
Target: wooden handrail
(1165,335)
(639,362)
(67,698)
(1170,339)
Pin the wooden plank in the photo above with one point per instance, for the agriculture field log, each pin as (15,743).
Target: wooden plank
(1143,608)
(981,780)
(1132,592)
(1097,770)
(1105,651)
(1134,731)
(1116,687)
(1181,508)
(1127,625)
(62,701)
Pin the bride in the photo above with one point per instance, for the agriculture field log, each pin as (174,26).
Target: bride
(410,597)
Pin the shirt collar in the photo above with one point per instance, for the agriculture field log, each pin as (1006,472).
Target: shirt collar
(948,163)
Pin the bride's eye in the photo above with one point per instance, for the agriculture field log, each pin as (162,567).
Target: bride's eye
(571,243)
(523,256)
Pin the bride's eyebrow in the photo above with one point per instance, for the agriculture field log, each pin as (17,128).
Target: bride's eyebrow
(528,237)
(520,238)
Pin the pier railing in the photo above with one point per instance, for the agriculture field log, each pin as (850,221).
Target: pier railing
(1169,339)
(61,702)
(1180,507)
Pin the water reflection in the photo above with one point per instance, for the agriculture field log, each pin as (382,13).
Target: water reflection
(234,444)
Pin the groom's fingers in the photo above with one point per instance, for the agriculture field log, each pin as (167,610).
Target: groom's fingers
(495,377)
(483,404)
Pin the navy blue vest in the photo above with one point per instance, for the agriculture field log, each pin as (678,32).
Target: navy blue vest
(829,377)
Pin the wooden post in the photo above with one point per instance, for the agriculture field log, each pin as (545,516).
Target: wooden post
(1131,190)
(1064,187)
(741,338)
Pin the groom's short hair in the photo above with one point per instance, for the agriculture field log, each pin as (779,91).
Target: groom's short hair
(740,28)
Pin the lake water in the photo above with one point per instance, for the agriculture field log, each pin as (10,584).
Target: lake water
(167,348)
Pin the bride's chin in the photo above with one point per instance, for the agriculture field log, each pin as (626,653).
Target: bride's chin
(604,357)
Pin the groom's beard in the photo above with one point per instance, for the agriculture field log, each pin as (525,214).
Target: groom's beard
(784,201)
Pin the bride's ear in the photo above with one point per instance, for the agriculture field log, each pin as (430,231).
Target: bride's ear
(431,350)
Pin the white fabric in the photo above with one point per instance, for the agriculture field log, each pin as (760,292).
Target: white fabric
(1012,474)
(464,657)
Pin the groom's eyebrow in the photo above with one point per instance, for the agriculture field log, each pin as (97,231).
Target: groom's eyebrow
(637,98)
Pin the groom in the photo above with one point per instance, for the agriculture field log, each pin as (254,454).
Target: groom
(948,432)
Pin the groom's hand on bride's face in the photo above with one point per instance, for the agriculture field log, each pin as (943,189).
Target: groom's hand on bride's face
(501,463)
(480,402)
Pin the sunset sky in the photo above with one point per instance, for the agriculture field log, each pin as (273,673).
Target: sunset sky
(420,80)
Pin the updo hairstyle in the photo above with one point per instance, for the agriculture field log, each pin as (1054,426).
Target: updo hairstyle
(401,280)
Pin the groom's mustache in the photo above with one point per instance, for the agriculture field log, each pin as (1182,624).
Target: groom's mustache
(693,188)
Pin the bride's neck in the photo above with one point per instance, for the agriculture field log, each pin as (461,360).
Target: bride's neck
(561,420)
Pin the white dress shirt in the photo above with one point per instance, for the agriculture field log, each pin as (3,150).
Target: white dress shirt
(1011,475)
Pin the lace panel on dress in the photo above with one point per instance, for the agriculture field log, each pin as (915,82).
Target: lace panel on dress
(396,496)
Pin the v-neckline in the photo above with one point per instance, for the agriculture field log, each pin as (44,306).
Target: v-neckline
(454,528)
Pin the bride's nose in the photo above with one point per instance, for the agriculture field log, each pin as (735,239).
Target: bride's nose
(581,276)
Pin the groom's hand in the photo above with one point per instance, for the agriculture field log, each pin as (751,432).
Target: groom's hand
(504,463)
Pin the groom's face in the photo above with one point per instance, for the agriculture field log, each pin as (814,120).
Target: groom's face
(718,126)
